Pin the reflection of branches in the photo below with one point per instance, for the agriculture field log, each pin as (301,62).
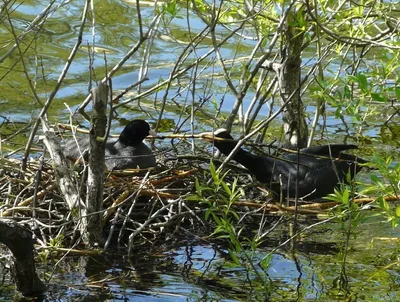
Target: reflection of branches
(118,66)
(21,56)
(396,112)
(175,71)
(297,234)
(147,50)
(57,86)
(37,22)
(262,62)
(356,41)
(178,69)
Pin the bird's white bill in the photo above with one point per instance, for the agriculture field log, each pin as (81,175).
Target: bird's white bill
(152,132)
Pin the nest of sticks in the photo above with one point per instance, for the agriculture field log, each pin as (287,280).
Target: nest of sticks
(136,203)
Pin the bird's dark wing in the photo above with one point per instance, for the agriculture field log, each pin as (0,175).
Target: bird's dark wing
(328,150)
(72,151)
(121,157)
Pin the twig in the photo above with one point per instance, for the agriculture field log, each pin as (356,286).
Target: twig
(60,80)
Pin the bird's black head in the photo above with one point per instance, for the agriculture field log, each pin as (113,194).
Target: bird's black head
(223,133)
(135,132)
(225,145)
(220,133)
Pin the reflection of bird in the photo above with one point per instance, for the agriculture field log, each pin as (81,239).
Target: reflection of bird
(320,168)
(128,151)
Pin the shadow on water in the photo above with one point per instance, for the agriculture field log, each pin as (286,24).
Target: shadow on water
(187,269)
(194,270)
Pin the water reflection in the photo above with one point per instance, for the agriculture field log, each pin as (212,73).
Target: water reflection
(193,270)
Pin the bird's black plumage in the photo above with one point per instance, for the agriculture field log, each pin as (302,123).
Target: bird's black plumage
(128,151)
(320,168)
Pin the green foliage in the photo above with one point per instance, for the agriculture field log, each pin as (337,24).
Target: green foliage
(169,11)
(350,217)
(172,8)
(386,176)
(348,213)
(385,182)
(220,196)
(53,243)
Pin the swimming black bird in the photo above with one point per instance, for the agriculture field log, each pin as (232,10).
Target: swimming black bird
(128,151)
(320,169)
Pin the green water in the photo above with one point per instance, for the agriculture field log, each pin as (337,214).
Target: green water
(186,270)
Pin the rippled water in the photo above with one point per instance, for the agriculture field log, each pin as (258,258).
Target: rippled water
(115,33)
(188,271)
(307,270)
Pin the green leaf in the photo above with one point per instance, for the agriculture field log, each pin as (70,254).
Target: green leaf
(234,214)
(193,198)
(171,8)
(398,211)
(217,219)
(266,262)
(347,91)
(362,80)
(378,97)
(397,90)
(212,170)
(345,196)
(383,204)
(207,214)
(226,188)
(375,178)
(234,258)
(198,187)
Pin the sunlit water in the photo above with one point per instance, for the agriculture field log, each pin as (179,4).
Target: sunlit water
(305,270)
(191,271)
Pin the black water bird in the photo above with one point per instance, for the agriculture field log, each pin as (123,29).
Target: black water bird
(320,169)
(126,152)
